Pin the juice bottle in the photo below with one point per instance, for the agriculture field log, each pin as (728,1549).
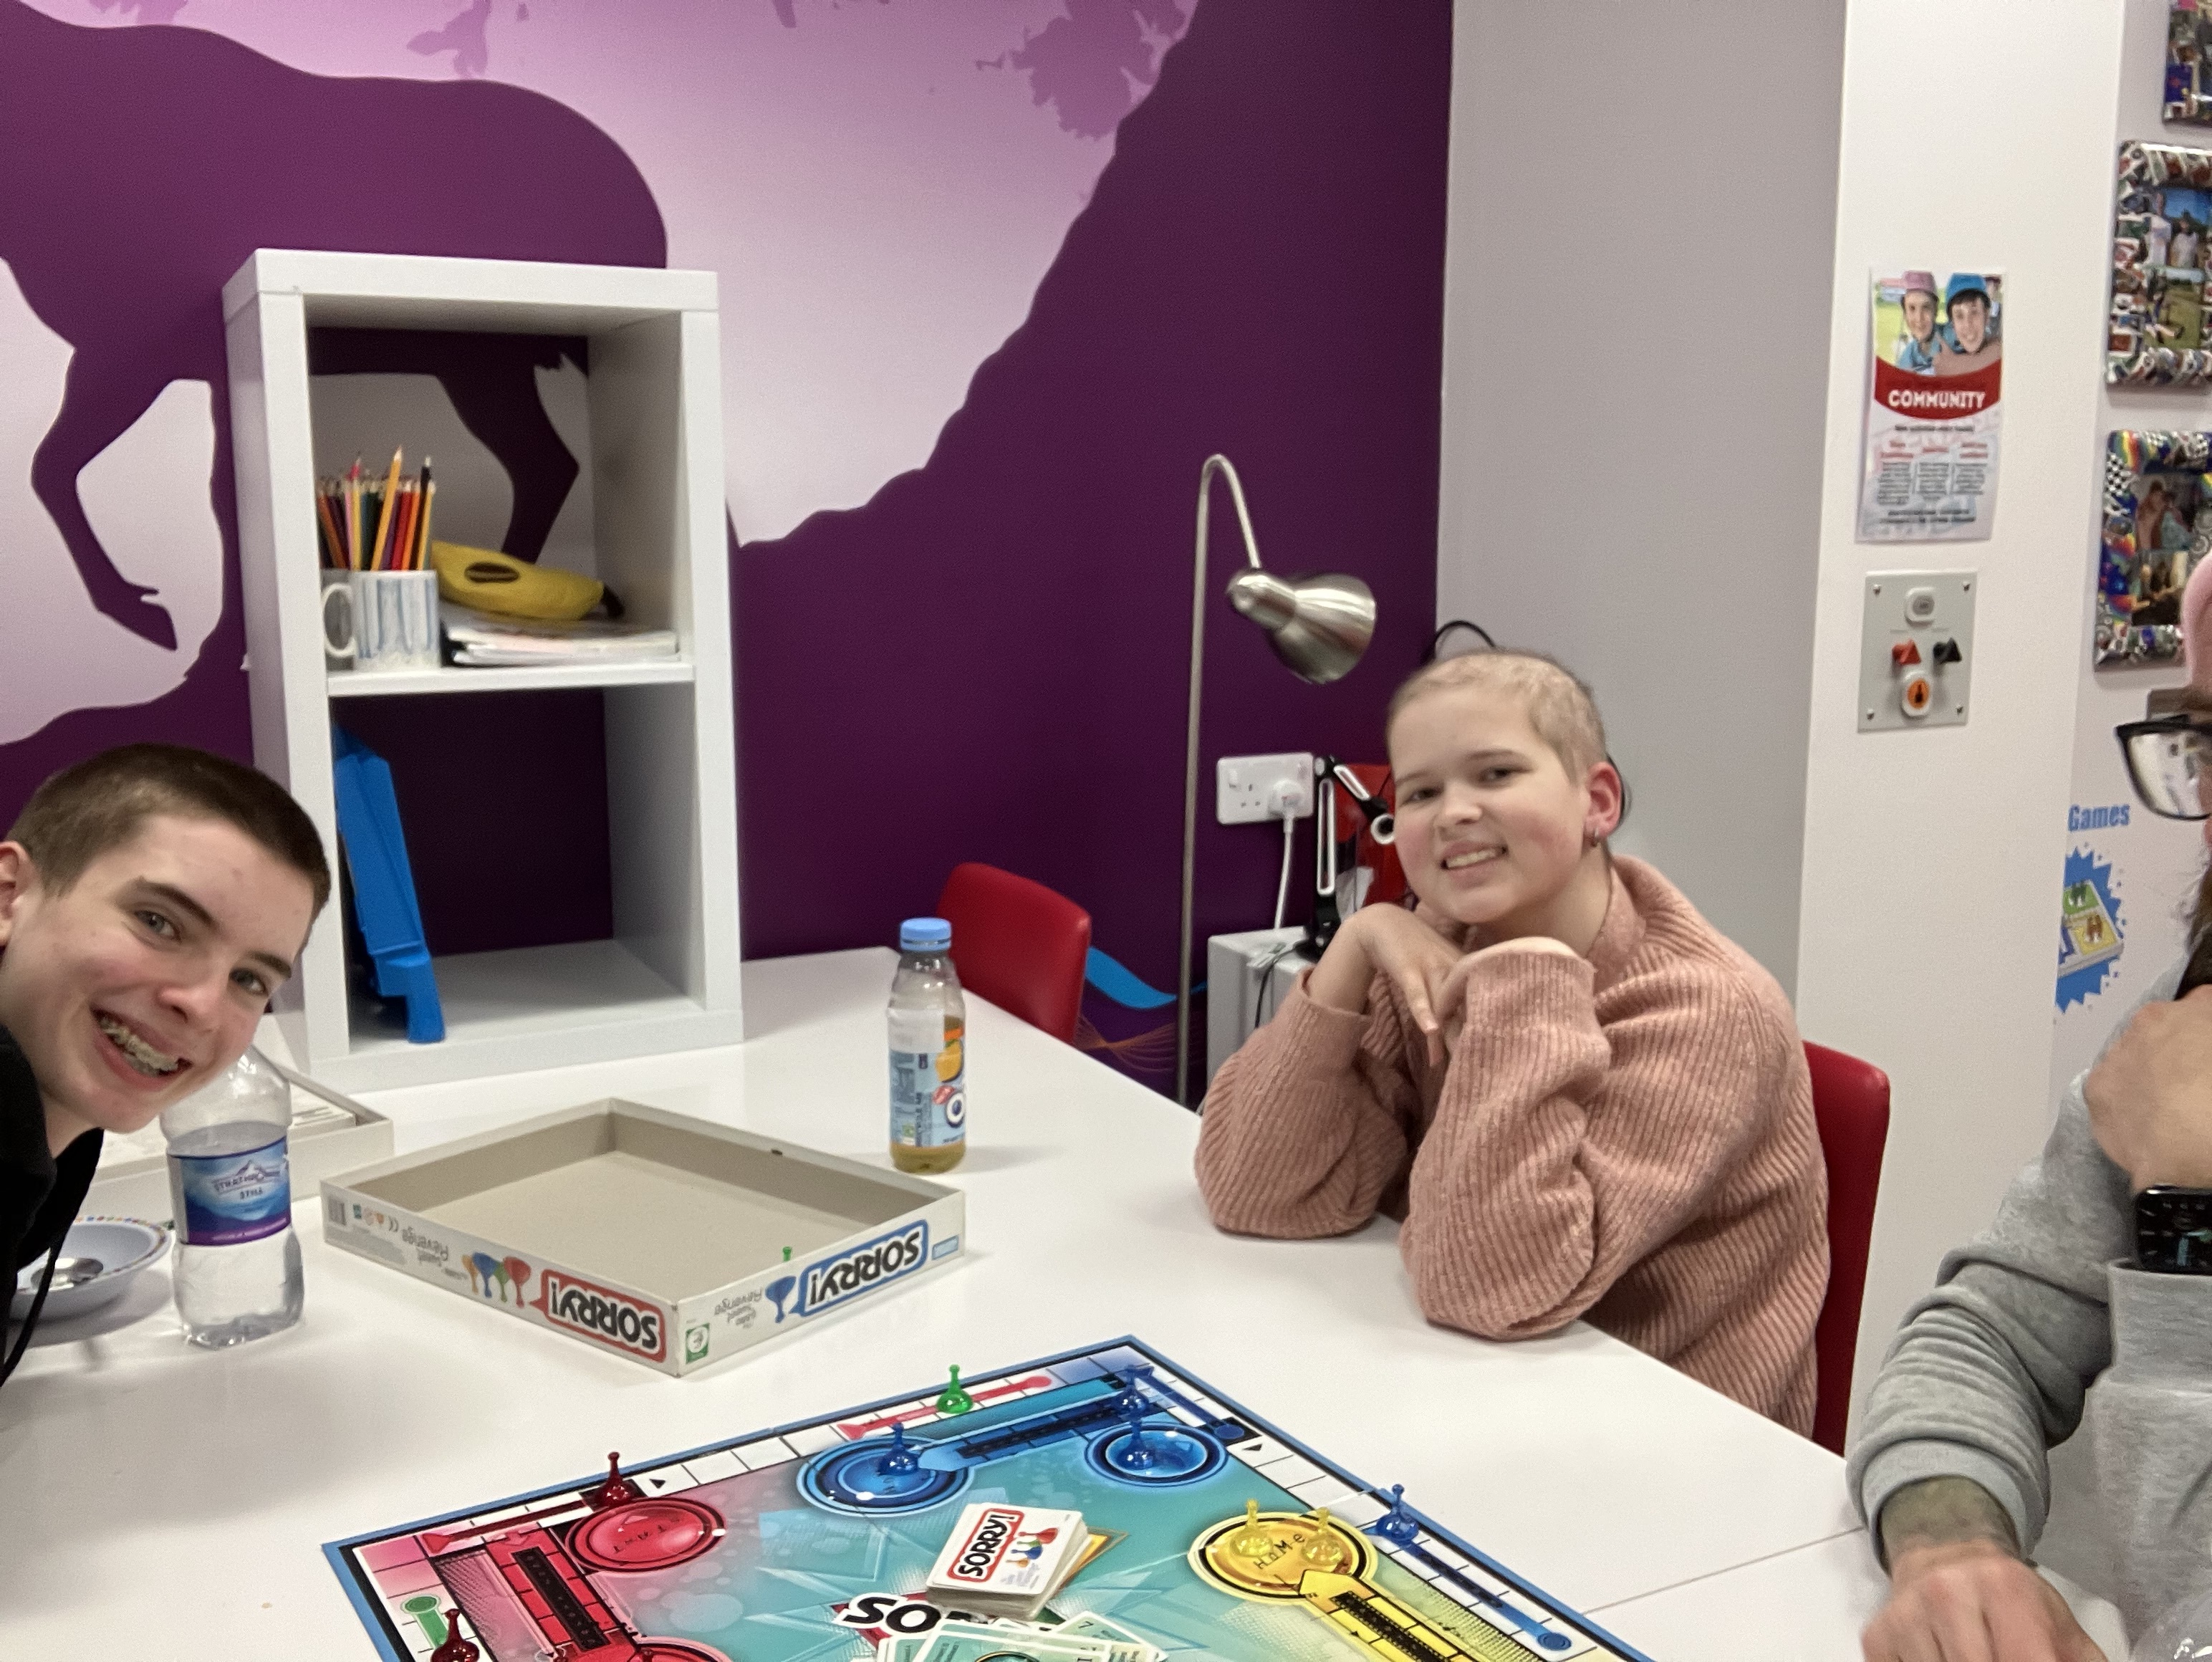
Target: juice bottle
(928,1051)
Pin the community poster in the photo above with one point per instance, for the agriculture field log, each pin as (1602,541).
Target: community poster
(1933,414)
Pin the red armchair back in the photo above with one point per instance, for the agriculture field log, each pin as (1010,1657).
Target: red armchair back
(1850,1104)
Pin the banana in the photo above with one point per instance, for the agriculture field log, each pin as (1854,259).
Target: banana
(499,583)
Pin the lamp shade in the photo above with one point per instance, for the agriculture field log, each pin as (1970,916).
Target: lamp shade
(1319,626)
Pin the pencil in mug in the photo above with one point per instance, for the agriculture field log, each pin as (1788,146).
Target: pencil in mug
(403,528)
(430,500)
(379,549)
(352,516)
(326,526)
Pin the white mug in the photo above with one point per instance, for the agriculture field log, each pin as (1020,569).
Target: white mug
(386,620)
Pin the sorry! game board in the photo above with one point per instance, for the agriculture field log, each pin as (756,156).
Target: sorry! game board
(1212,1534)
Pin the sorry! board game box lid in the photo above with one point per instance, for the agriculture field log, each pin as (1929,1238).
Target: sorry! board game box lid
(669,1240)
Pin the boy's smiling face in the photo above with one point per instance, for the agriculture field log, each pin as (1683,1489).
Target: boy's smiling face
(1920,314)
(1491,827)
(144,978)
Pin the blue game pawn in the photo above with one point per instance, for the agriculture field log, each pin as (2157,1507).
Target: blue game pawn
(1132,1395)
(900,1456)
(1397,1525)
(1135,1454)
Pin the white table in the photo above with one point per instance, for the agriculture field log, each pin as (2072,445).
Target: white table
(147,1489)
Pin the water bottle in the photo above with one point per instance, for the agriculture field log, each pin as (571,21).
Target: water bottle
(237,1268)
(929,1051)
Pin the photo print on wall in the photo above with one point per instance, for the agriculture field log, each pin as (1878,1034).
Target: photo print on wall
(2158,524)
(1933,406)
(2162,213)
(2188,52)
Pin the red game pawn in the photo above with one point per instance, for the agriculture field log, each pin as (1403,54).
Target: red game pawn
(456,1648)
(616,1489)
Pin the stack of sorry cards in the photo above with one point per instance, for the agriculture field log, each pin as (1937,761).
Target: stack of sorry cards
(1078,1639)
(1005,1560)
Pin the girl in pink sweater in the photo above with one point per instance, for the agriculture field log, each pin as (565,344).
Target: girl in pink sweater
(1580,1098)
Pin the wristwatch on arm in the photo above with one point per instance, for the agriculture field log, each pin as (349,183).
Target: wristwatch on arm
(2173,1230)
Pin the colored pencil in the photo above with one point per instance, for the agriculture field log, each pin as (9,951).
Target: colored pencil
(333,544)
(352,516)
(379,550)
(402,538)
(430,500)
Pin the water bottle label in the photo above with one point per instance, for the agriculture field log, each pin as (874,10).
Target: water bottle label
(222,1199)
(929,1080)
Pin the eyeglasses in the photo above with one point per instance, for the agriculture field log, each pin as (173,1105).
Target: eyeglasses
(2170,763)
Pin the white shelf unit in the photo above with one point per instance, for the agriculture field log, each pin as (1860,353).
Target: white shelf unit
(668,979)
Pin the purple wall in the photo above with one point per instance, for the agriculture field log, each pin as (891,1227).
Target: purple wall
(990,661)
(987,659)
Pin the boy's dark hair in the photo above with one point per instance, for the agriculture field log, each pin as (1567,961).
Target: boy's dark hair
(83,810)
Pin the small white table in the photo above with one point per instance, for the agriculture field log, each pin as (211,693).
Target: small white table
(147,1489)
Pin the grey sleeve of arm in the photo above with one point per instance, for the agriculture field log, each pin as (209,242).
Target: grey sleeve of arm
(1991,1368)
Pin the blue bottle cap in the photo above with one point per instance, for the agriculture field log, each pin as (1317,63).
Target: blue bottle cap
(925,935)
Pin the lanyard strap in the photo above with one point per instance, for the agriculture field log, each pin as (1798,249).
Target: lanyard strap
(31,1316)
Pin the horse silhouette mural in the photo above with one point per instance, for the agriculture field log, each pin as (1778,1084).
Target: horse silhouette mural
(140,166)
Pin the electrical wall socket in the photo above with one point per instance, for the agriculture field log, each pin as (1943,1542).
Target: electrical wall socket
(1245,787)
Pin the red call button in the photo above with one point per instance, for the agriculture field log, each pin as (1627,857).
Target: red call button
(1903,653)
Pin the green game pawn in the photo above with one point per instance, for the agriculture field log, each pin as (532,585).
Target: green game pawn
(954,1398)
(424,1607)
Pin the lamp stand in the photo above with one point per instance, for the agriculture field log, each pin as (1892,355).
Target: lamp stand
(1221,464)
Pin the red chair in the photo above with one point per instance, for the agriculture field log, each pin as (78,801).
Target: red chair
(1019,944)
(1850,1105)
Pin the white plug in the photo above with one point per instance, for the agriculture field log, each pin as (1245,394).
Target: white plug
(1249,790)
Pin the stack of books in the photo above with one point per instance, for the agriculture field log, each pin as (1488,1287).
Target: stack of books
(480,638)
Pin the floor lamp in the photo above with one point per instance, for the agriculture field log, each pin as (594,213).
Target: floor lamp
(1319,626)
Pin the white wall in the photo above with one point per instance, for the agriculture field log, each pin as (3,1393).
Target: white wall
(1641,236)
(2153,862)
(1651,460)
(1976,133)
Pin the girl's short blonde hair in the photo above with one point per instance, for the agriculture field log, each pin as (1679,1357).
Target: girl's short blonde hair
(1560,708)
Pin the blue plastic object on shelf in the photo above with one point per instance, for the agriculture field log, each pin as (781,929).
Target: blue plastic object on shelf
(383,886)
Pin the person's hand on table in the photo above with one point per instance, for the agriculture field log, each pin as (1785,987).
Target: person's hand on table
(1959,1592)
(2150,1094)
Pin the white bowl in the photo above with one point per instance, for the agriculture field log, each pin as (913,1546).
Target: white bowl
(124,1245)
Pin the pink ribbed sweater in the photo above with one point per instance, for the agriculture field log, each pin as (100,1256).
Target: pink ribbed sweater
(1627,1137)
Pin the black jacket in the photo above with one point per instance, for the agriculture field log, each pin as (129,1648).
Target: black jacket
(39,1194)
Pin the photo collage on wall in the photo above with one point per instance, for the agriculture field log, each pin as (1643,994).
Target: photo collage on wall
(2189,62)
(2156,521)
(1934,413)
(2157,524)
(2157,334)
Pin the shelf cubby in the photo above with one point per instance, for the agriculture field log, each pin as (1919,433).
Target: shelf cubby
(666,977)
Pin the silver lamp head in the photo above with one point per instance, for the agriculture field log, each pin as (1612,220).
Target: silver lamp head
(1319,626)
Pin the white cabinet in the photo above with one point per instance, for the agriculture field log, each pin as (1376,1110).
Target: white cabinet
(667,979)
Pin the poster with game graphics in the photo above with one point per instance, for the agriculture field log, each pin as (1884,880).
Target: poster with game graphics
(1933,415)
